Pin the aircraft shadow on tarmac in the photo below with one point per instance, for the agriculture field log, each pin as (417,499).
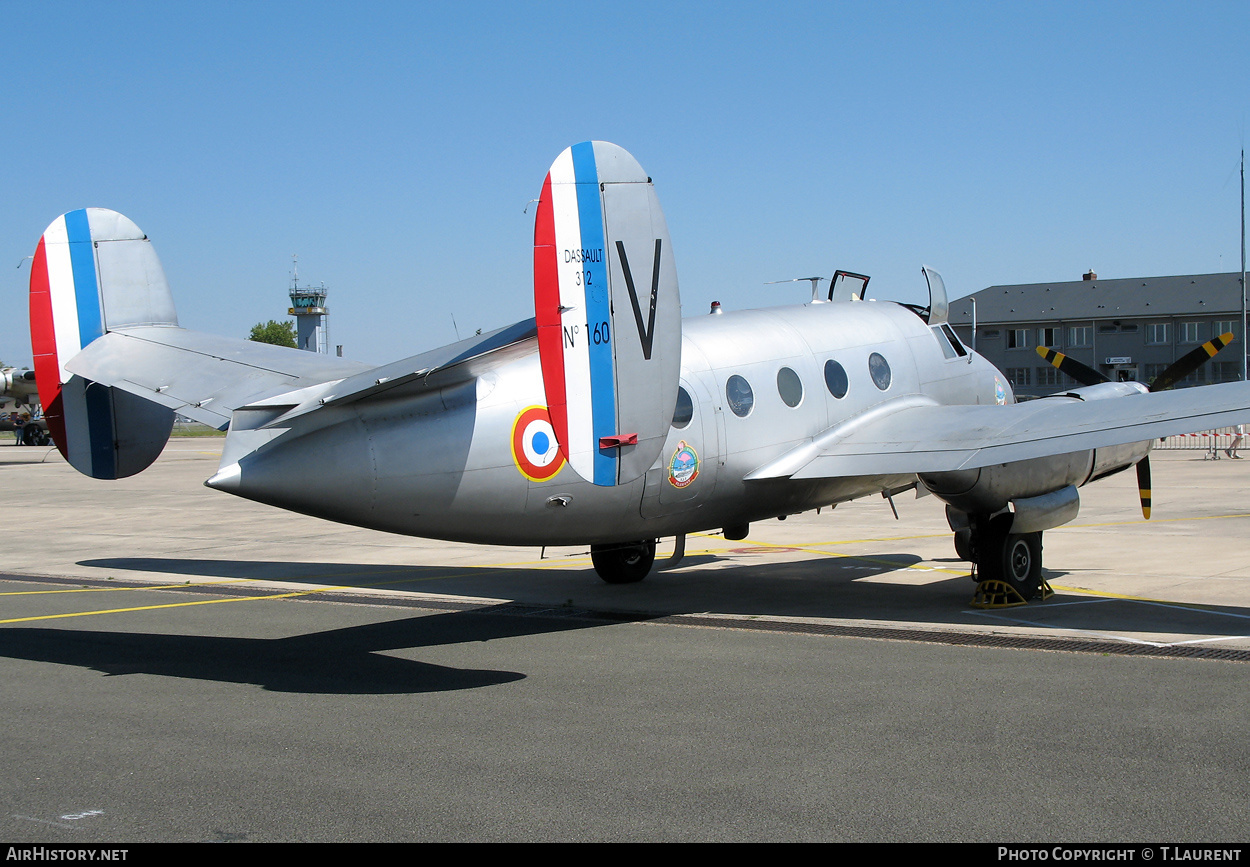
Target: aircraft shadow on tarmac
(351,660)
(841,587)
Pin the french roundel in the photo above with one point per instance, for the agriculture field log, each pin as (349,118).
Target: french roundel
(534,446)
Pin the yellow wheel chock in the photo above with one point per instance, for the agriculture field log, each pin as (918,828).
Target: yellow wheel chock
(993,593)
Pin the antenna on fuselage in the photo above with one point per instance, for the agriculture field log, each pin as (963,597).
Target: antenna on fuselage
(814,280)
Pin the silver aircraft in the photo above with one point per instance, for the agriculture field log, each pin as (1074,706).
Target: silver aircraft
(607,420)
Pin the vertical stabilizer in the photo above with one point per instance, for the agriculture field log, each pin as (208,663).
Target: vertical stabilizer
(94,271)
(608,311)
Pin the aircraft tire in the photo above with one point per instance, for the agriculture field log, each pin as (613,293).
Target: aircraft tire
(963,545)
(623,563)
(1012,557)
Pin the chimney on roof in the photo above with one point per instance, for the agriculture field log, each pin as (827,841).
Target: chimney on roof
(1089,275)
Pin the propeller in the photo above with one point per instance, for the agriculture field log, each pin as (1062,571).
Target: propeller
(1174,373)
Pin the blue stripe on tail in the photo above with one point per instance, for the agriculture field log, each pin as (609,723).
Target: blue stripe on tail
(98,399)
(598,310)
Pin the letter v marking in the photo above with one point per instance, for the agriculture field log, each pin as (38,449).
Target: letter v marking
(646,335)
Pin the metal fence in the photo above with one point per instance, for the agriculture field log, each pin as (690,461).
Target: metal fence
(1213,442)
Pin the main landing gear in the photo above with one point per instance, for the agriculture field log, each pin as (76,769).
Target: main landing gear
(627,562)
(623,562)
(1008,565)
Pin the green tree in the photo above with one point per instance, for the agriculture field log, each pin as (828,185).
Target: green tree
(277,333)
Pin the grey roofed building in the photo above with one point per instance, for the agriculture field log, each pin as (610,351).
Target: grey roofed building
(1130,328)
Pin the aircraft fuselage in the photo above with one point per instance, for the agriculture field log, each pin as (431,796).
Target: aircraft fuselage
(452,464)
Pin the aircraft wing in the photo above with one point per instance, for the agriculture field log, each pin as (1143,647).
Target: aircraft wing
(207,377)
(913,435)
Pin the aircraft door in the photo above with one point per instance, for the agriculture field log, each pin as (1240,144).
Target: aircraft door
(684,475)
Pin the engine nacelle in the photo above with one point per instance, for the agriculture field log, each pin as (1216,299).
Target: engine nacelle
(1042,491)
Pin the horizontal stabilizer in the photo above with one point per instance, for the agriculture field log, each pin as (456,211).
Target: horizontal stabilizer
(203,376)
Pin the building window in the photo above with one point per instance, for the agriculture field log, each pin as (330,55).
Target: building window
(1049,337)
(1225,371)
(1048,375)
(1019,376)
(1018,338)
(1159,333)
(1081,335)
(1152,371)
(1191,332)
(1195,377)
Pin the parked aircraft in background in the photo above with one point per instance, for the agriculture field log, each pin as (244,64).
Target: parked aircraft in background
(19,399)
(607,420)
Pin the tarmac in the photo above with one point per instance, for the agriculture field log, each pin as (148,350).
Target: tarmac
(1179,579)
(824,679)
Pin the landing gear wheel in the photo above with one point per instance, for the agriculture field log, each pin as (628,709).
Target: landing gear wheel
(1015,558)
(963,545)
(625,562)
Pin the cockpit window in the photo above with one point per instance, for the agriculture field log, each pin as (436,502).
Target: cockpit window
(946,338)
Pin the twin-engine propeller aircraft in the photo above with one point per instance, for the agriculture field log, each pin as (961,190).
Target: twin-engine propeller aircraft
(607,420)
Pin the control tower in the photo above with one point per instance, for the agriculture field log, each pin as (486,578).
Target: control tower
(308,306)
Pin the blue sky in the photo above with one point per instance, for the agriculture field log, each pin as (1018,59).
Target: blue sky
(394,147)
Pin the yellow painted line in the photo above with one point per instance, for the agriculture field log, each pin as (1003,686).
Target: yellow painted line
(809,548)
(116,589)
(167,605)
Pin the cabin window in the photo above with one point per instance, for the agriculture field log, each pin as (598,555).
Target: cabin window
(789,386)
(741,398)
(835,379)
(879,370)
(684,410)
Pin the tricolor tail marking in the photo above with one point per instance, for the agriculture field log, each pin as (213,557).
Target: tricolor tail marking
(610,349)
(66,315)
(94,270)
(571,283)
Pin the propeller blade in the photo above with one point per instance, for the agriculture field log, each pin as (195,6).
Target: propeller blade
(1190,362)
(1143,485)
(1073,368)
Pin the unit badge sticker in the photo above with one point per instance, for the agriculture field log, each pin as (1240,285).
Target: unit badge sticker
(684,466)
(534,448)
(1000,391)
